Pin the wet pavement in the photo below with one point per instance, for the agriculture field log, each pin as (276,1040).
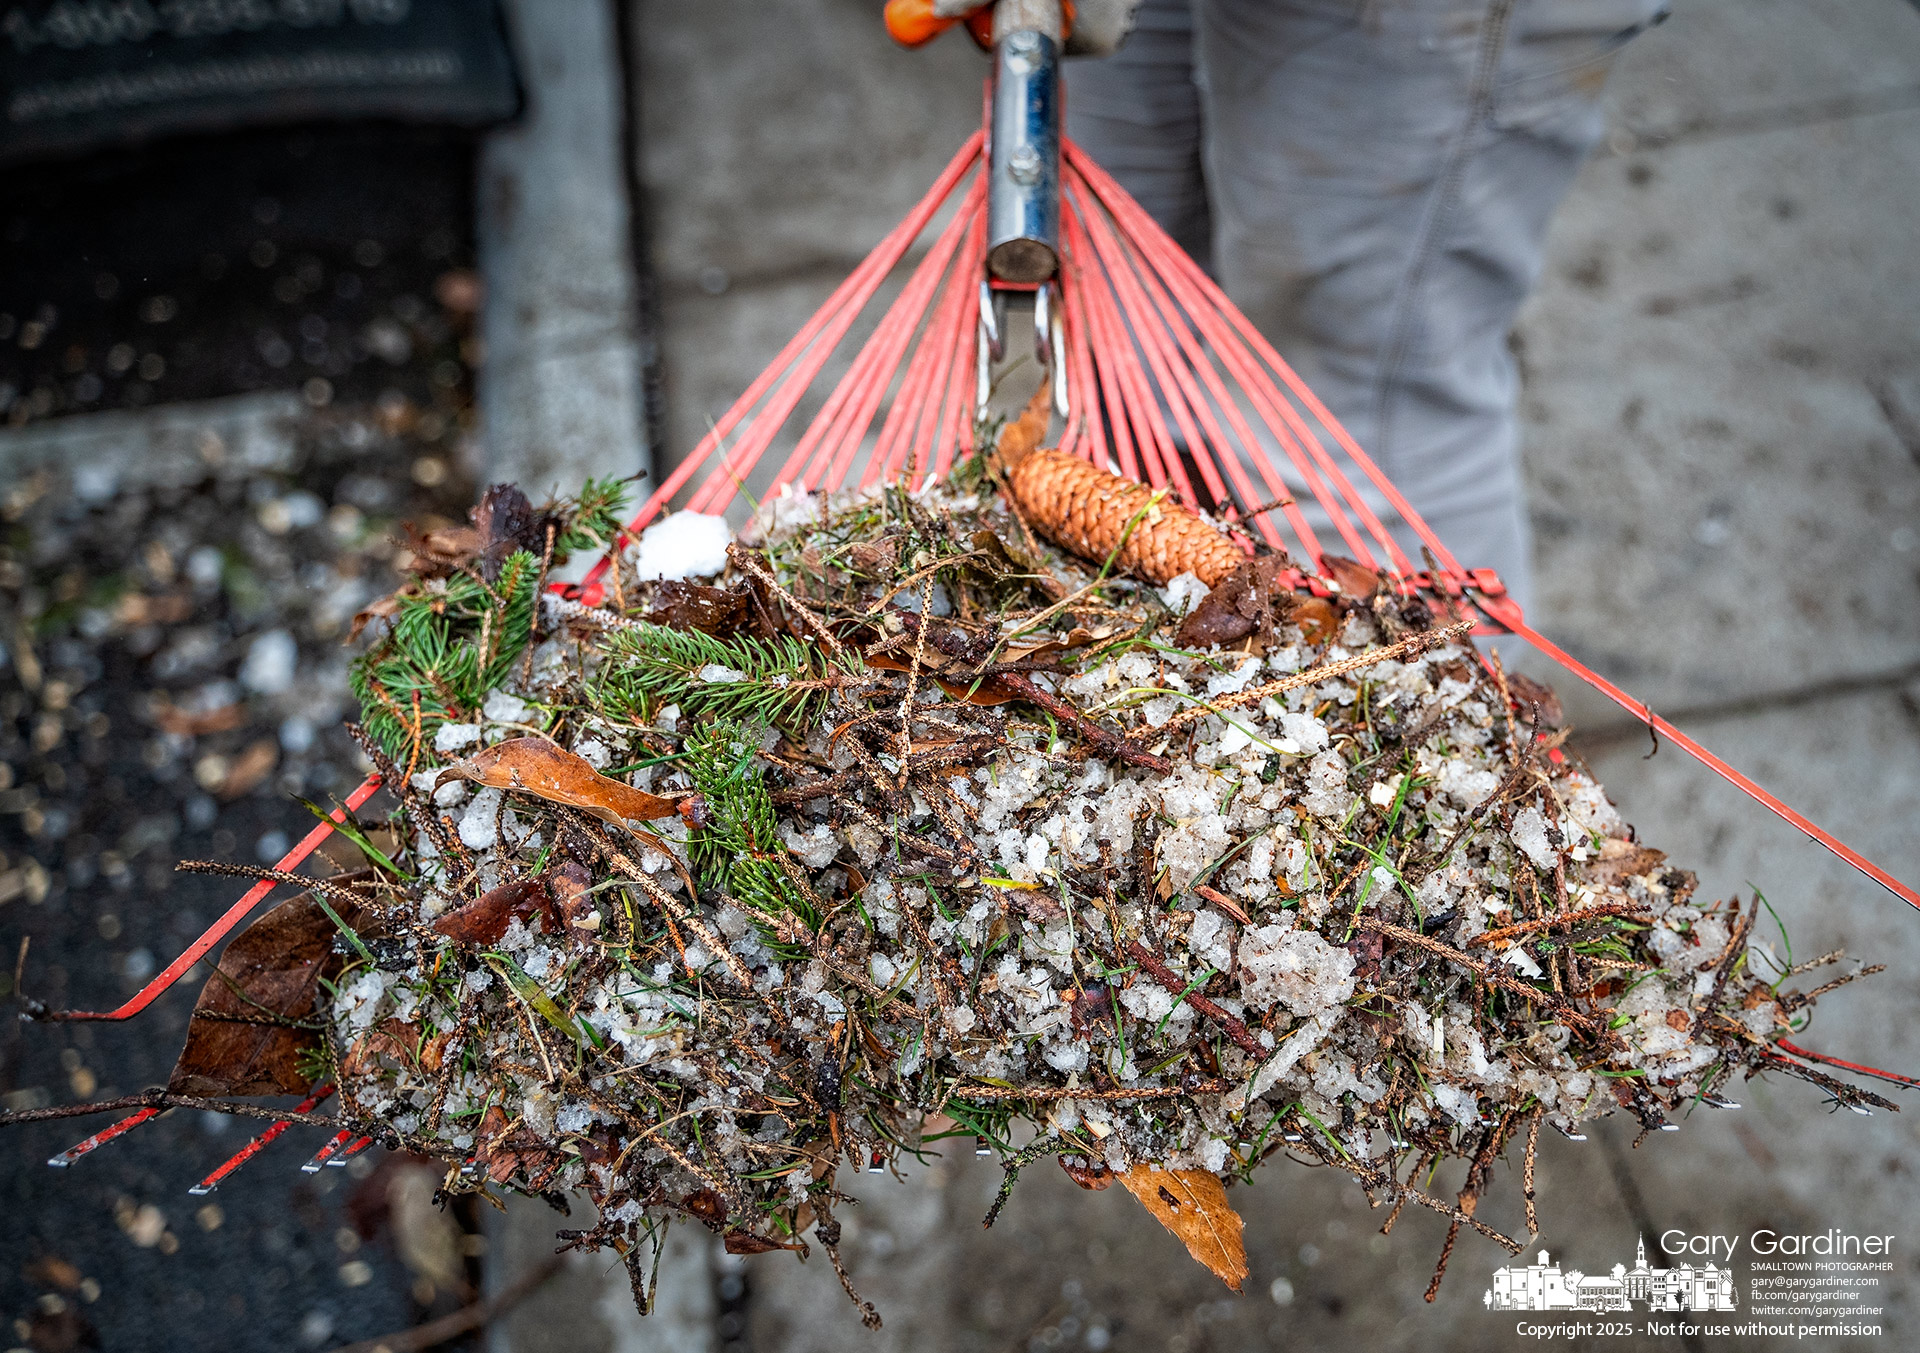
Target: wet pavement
(1723,440)
(176,582)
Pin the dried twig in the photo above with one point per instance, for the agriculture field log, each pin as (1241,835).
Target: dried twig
(1415,643)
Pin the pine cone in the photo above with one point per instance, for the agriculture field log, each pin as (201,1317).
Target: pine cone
(1088,511)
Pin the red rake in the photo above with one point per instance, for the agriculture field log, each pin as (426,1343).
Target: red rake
(259,1144)
(1155,373)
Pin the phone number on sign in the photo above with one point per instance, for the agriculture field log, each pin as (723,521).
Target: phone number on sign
(73,24)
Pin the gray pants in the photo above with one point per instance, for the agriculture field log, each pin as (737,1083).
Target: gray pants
(1371,181)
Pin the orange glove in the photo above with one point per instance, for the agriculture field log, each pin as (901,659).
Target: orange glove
(914,23)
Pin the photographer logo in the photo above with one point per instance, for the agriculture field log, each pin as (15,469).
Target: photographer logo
(1544,1286)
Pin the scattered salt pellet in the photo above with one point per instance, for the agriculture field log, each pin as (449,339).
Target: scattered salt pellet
(269,668)
(503,707)
(1209,939)
(1384,792)
(478,828)
(1295,967)
(1306,733)
(1235,681)
(1327,793)
(1530,834)
(1521,960)
(684,545)
(816,847)
(452,737)
(1460,1104)
(1184,593)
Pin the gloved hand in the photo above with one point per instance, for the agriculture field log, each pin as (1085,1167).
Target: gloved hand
(1093,27)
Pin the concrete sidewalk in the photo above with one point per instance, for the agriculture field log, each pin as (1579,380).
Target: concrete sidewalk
(1722,398)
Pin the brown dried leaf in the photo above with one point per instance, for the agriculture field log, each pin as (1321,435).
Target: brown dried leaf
(1091,1009)
(441,550)
(1317,619)
(694,606)
(994,558)
(390,1038)
(972,693)
(1356,579)
(1367,948)
(505,522)
(485,919)
(271,970)
(1193,1205)
(932,660)
(572,885)
(1034,904)
(433,1053)
(1094,1177)
(876,557)
(986,693)
(1537,701)
(1620,861)
(384,609)
(1250,600)
(708,1206)
(538,767)
(517,1151)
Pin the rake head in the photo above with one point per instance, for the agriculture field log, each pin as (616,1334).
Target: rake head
(1155,376)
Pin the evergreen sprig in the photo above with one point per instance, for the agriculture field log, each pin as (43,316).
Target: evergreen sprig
(736,851)
(432,653)
(593,517)
(651,666)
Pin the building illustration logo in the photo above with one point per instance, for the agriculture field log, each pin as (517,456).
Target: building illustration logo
(1543,1286)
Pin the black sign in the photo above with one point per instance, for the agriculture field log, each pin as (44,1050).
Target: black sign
(77,75)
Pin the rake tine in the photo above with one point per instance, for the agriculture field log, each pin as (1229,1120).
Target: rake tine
(102,1137)
(214,933)
(258,1144)
(325,1153)
(355,1149)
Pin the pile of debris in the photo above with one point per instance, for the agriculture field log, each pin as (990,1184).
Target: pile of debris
(888,822)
